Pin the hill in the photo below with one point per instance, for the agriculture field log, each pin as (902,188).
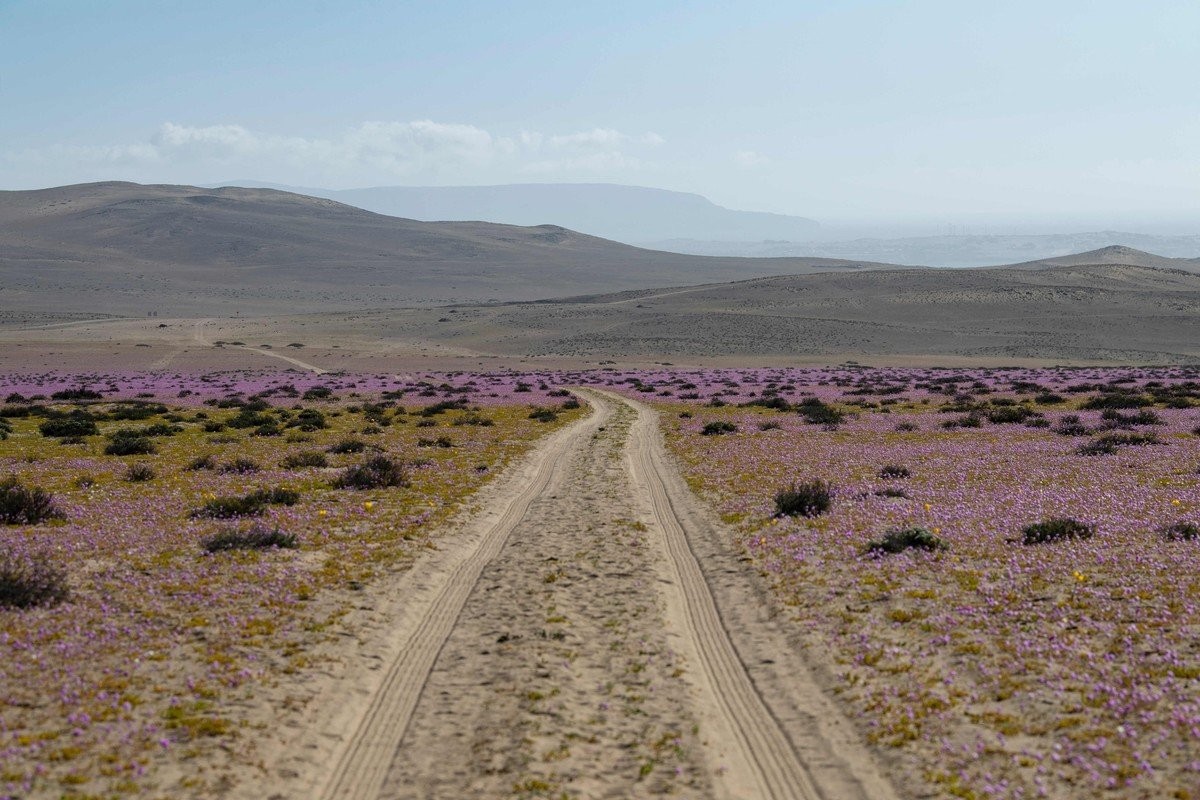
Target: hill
(1092,313)
(974,250)
(630,214)
(129,249)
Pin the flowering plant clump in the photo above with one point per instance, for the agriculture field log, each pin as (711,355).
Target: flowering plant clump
(170,541)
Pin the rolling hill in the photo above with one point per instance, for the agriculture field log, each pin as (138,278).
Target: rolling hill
(129,249)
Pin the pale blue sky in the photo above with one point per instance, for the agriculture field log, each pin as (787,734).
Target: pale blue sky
(834,110)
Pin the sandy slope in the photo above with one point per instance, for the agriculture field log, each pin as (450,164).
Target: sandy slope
(587,633)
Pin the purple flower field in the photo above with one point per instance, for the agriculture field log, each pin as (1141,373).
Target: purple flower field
(985,666)
(993,668)
(166,625)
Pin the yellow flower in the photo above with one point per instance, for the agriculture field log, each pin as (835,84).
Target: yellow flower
(1176,502)
(1079,576)
(368,505)
(322,513)
(927,506)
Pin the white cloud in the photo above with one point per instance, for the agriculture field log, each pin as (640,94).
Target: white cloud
(371,151)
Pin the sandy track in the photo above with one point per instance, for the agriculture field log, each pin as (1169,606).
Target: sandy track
(576,642)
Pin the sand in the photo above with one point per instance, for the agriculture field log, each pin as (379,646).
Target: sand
(586,629)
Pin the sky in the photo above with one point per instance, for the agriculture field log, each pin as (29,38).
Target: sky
(853,110)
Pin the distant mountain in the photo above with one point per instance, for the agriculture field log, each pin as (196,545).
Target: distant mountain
(944,251)
(630,214)
(124,248)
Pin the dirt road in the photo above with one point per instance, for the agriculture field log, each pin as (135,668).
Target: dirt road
(589,634)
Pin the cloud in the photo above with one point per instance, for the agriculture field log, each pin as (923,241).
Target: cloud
(371,151)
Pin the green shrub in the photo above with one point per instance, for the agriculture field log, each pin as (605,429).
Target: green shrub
(816,412)
(348,446)
(257,537)
(139,473)
(898,540)
(1180,531)
(306,458)
(808,499)
(21,505)
(30,581)
(894,471)
(240,466)
(377,473)
(718,428)
(1054,530)
(128,445)
(543,414)
(69,426)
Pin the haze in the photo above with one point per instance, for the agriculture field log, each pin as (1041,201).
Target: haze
(931,117)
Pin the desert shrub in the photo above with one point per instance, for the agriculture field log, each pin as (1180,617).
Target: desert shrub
(1009,414)
(718,428)
(309,419)
(543,414)
(249,418)
(202,462)
(347,446)
(1142,417)
(1054,530)
(213,427)
(443,406)
(134,411)
(306,458)
(269,429)
(249,505)
(907,427)
(808,499)
(769,426)
(77,394)
(773,402)
(473,419)
(5,429)
(30,581)
(894,471)
(1070,425)
(22,505)
(139,473)
(890,491)
(69,426)
(441,441)
(240,466)
(129,444)
(816,412)
(426,423)
(898,540)
(318,393)
(1117,400)
(377,473)
(1180,531)
(1049,399)
(1109,442)
(256,537)
(1037,422)
(278,496)
(571,404)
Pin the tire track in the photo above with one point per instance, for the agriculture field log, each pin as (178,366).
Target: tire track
(765,760)
(362,766)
